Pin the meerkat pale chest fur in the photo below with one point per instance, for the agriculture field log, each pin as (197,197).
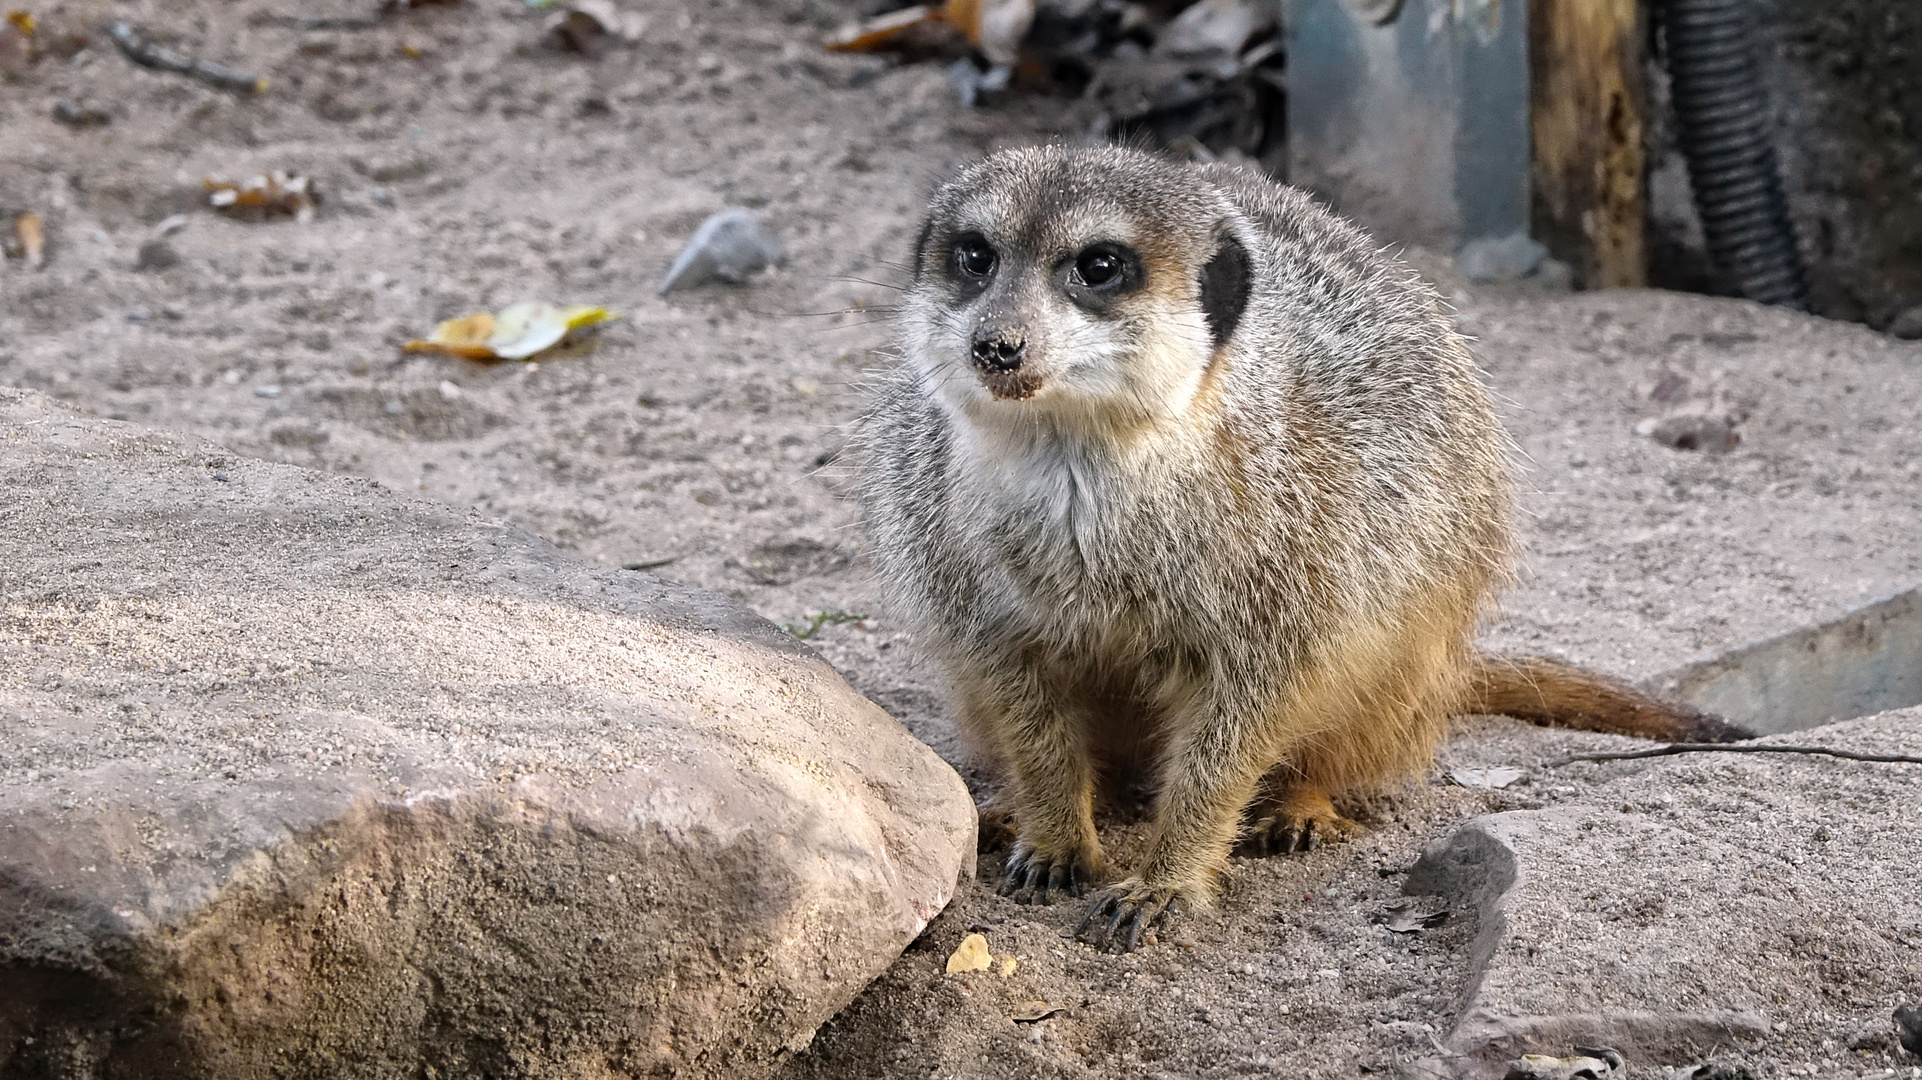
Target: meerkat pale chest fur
(1179,468)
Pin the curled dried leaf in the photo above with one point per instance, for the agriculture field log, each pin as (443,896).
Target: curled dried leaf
(971,955)
(1406,917)
(515,333)
(588,26)
(994,27)
(1033,1012)
(1490,779)
(32,232)
(876,33)
(263,196)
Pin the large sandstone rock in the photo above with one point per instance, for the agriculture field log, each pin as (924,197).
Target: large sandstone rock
(300,777)
(1687,907)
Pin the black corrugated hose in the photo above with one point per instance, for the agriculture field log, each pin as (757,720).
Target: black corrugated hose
(1721,112)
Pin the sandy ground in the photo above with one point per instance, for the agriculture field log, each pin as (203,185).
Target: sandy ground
(700,436)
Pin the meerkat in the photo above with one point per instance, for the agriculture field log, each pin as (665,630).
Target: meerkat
(1180,470)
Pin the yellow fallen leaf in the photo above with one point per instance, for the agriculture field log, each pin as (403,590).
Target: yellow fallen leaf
(1008,966)
(33,238)
(877,32)
(22,21)
(516,333)
(995,27)
(971,955)
(270,193)
(525,329)
(465,337)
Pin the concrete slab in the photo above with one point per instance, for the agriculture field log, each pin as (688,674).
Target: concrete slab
(1691,908)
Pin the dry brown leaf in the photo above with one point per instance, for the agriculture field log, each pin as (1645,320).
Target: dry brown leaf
(16,45)
(995,27)
(516,333)
(1035,1011)
(33,238)
(1489,779)
(872,34)
(464,337)
(263,196)
(971,955)
(1407,916)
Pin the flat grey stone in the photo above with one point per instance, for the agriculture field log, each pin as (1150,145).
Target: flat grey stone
(730,246)
(1674,910)
(303,777)
(1501,259)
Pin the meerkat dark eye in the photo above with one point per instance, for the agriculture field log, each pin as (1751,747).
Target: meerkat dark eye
(973,256)
(1097,268)
(1099,275)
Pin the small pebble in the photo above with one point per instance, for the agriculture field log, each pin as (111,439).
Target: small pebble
(156,255)
(1908,1027)
(729,246)
(74,115)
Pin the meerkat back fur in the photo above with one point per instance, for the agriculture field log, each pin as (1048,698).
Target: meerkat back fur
(1178,468)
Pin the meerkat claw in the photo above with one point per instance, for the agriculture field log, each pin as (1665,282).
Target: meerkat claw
(1033,878)
(1132,912)
(1296,832)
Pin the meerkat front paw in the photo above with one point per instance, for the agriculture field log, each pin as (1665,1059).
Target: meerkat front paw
(1035,877)
(1125,911)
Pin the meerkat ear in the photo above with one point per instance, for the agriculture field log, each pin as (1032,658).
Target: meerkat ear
(1225,282)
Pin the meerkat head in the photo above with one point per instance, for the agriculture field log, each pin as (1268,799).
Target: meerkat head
(1089,285)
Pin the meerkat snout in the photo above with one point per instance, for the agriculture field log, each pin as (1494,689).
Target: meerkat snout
(998,351)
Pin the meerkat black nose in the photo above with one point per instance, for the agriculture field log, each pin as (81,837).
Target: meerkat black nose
(999,352)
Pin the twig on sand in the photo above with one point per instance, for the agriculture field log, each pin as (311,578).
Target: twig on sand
(1731,748)
(144,52)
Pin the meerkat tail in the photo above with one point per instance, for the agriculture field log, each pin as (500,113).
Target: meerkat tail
(1554,694)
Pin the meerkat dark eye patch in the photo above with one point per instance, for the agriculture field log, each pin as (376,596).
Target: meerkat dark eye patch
(972,260)
(1099,273)
(921,240)
(1225,283)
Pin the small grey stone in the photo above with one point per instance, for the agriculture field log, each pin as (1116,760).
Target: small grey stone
(970,82)
(1711,1071)
(1501,258)
(1908,1027)
(156,255)
(1555,274)
(1710,432)
(1908,325)
(76,115)
(729,246)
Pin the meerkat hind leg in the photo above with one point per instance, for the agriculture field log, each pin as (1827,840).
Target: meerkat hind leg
(1298,818)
